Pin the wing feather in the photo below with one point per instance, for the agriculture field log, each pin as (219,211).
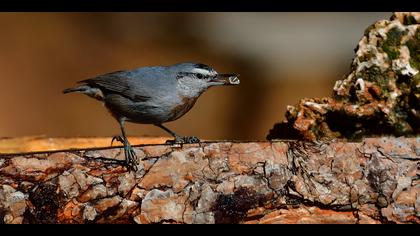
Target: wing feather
(119,82)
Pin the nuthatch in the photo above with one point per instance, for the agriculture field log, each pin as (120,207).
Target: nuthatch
(152,95)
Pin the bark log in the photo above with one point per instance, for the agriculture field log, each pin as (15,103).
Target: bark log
(373,181)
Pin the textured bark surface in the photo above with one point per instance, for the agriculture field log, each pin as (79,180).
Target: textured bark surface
(373,181)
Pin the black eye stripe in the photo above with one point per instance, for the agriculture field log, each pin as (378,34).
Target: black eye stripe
(197,75)
(203,66)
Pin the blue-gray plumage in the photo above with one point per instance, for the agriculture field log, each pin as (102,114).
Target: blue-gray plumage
(153,95)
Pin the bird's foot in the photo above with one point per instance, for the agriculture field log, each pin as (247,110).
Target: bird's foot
(182,140)
(130,156)
(129,153)
(118,138)
(191,139)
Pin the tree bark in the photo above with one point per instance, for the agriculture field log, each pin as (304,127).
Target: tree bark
(373,181)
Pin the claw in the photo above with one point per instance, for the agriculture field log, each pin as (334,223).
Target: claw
(191,139)
(181,140)
(130,157)
(170,142)
(118,138)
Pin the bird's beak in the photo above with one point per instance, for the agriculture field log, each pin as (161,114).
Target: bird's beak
(226,79)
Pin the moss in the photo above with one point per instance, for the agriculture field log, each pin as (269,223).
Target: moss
(392,43)
(410,20)
(376,75)
(371,74)
(391,52)
(414,48)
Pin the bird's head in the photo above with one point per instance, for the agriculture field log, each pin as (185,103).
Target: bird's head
(196,77)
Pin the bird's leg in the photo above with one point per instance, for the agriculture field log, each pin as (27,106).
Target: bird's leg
(130,155)
(177,138)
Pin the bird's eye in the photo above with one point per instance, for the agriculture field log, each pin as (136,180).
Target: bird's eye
(199,76)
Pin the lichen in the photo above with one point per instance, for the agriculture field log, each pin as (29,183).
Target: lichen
(379,96)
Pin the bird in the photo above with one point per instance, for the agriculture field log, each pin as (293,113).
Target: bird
(152,95)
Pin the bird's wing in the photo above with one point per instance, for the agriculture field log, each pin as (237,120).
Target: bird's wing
(122,83)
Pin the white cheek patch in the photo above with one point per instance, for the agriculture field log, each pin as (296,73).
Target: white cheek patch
(189,87)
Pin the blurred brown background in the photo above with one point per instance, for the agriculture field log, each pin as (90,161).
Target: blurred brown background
(282,57)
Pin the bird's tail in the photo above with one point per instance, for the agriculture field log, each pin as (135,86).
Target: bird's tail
(85,89)
(80,89)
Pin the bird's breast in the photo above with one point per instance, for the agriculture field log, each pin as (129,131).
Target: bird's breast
(183,107)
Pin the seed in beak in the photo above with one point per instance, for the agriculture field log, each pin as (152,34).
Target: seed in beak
(234,80)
